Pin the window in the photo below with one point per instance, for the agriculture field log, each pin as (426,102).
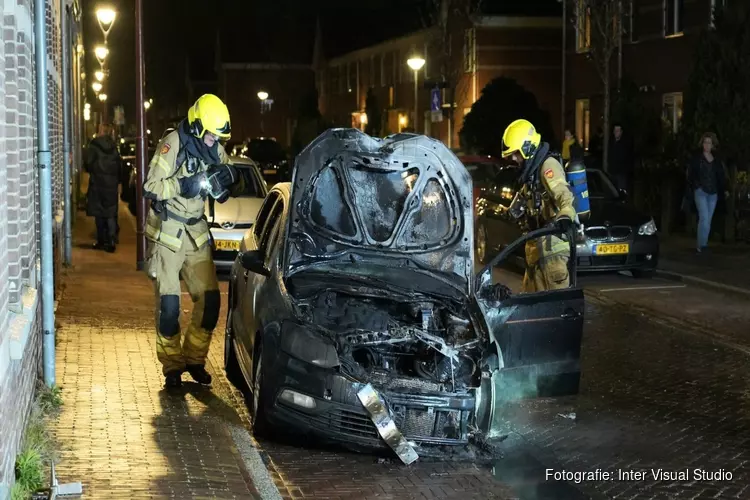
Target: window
(583,122)
(583,26)
(263,214)
(672,110)
(470,50)
(632,10)
(273,222)
(673,17)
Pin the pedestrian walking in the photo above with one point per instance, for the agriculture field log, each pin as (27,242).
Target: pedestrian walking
(187,162)
(706,180)
(104,166)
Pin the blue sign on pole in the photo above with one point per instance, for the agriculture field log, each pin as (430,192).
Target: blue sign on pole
(436,99)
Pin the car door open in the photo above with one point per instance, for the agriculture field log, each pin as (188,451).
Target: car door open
(535,339)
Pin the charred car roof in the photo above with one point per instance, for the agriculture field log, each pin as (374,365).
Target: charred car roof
(404,200)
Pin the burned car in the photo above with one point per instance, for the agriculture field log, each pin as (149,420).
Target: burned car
(355,316)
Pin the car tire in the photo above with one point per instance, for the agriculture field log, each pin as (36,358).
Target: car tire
(258,406)
(481,243)
(641,274)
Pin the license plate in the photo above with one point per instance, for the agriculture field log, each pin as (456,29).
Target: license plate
(612,249)
(269,172)
(227,245)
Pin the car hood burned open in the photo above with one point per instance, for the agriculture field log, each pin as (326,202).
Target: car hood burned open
(398,207)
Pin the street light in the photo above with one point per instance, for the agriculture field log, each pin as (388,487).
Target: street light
(96,86)
(101,53)
(106,17)
(416,63)
(263,96)
(102,97)
(99,75)
(146,105)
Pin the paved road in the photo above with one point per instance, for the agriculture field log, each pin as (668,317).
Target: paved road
(658,392)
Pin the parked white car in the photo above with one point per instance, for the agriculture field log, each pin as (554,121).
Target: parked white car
(230,220)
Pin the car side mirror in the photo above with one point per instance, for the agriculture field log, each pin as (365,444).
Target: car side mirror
(253,261)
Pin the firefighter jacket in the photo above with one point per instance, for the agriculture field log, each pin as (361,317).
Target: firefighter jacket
(556,200)
(171,214)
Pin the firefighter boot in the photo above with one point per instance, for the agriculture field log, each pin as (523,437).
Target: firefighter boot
(199,374)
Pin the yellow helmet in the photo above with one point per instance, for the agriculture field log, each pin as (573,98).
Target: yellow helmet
(209,114)
(521,136)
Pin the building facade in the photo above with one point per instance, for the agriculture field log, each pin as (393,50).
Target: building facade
(285,84)
(20,294)
(658,42)
(470,55)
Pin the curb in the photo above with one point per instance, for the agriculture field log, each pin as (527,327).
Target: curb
(702,283)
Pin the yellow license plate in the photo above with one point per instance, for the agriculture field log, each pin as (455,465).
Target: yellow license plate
(227,245)
(612,249)
(269,172)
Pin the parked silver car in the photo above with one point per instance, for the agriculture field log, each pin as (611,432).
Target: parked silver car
(230,220)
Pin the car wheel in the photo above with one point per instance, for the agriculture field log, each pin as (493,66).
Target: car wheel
(260,421)
(643,275)
(481,243)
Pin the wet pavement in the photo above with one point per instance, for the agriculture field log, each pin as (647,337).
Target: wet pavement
(658,392)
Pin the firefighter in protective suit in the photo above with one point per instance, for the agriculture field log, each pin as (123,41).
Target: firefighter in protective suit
(544,197)
(189,164)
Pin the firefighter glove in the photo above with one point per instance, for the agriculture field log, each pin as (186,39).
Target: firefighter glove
(225,174)
(564,224)
(192,186)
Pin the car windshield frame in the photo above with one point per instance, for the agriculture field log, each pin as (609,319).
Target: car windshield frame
(606,183)
(257,178)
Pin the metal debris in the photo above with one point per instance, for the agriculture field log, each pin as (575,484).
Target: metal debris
(570,416)
(385,425)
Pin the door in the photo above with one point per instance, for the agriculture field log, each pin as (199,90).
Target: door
(244,330)
(535,338)
(253,282)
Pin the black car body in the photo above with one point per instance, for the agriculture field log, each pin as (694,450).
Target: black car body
(361,272)
(615,226)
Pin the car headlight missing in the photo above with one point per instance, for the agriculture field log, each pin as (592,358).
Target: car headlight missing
(648,228)
(301,343)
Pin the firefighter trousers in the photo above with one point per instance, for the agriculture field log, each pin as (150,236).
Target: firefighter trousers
(547,273)
(196,266)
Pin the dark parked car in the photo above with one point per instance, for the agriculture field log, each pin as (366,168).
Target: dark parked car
(354,300)
(617,237)
(483,170)
(270,157)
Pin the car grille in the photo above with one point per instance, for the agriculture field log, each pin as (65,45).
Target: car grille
(612,233)
(342,421)
(245,225)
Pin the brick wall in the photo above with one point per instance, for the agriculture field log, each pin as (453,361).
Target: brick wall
(20,339)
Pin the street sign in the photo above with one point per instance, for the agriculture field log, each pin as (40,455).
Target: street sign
(436,106)
(119,116)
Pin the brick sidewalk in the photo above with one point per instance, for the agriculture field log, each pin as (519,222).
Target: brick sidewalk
(122,435)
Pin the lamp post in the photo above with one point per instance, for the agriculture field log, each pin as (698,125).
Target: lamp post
(263,96)
(99,75)
(101,52)
(141,151)
(106,17)
(416,63)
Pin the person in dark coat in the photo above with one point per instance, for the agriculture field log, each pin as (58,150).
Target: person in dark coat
(706,178)
(104,165)
(620,158)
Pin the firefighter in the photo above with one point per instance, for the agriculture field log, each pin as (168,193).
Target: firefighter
(187,162)
(543,198)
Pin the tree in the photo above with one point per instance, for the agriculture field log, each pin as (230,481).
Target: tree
(445,19)
(598,29)
(310,123)
(373,113)
(502,101)
(718,94)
